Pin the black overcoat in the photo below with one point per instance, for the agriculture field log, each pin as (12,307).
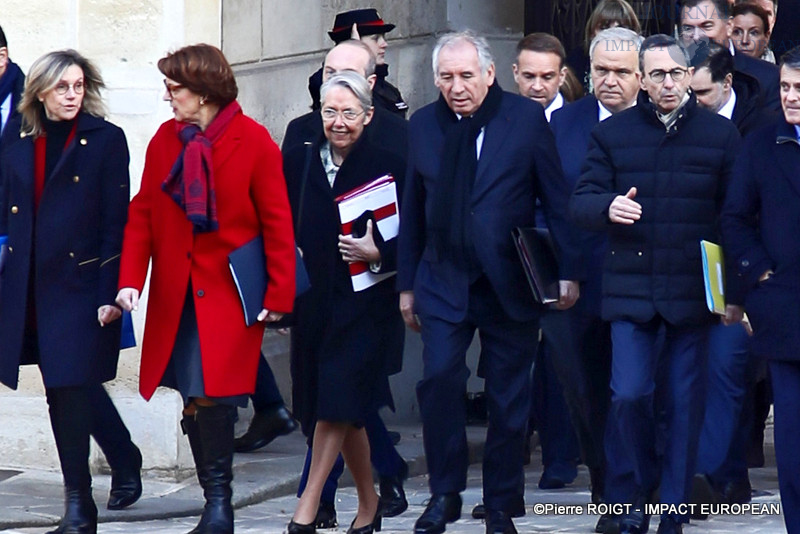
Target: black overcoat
(75,237)
(345,344)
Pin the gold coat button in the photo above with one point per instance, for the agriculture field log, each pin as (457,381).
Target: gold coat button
(83,142)
(10,249)
(14,209)
(76,178)
(71,254)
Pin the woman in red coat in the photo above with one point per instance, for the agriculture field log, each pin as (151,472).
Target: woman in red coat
(212,182)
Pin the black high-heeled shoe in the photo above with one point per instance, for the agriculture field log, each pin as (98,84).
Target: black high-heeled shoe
(374,526)
(300,528)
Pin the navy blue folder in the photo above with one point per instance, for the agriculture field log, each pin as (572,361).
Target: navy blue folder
(250,274)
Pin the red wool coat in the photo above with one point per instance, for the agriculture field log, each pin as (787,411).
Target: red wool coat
(251,198)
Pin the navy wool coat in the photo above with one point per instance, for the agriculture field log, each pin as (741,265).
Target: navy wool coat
(759,223)
(518,164)
(75,237)
(654,266)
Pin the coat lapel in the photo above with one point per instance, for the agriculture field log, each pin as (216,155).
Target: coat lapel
(494,137)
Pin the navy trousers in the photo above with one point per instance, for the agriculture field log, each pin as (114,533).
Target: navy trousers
(580,345)
(729,396)
(267,395)
(508,348)
(786,404)
(551,415)
(636,360)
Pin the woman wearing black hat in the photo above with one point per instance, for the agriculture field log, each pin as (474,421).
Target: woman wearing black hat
(367,26)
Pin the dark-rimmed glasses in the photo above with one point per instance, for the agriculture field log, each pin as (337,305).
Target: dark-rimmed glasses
(658,75)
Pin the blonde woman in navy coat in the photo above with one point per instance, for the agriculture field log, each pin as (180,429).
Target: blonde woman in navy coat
(63,206)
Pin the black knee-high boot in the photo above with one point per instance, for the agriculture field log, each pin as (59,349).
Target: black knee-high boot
(70,417)
(210,435)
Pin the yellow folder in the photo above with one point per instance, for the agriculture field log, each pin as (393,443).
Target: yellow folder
(713,276)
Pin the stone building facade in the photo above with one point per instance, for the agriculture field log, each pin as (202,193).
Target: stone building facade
(274,45)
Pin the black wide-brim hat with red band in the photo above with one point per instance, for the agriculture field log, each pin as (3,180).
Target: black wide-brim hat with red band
(369,22)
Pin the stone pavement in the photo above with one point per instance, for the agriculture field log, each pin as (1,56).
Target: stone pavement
(265,482)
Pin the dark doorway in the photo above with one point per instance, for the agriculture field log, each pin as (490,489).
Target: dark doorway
(566,19)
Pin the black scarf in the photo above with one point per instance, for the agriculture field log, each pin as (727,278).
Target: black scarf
(452,195)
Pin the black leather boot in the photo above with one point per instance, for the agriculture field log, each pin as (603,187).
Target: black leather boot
(214,440)
(126,482)
(80,513)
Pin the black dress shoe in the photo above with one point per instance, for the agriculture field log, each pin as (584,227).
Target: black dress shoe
(80,513)
(265,427)
(669,526)
(636,521)
(126,484)
(326,516)
(498,522)
(737,492)
(299,528)
(393,497)
(394,436)
(374,526)
(443,508)
(479,512)
(607,524)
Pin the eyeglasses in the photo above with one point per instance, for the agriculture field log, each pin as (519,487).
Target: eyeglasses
(658,75)
(62,88)
(348,115)
(173,89)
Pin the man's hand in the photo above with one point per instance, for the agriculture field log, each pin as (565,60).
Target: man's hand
(733,314)
(128,299)
(625,210)
(568,293)
(407,310)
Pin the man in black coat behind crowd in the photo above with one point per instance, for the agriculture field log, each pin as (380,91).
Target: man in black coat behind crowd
(367,26)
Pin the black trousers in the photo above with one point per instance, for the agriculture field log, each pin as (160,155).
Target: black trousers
(76,413)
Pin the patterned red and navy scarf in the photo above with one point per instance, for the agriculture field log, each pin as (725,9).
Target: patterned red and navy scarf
(190,183)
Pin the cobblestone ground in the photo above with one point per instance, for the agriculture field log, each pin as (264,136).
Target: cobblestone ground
(270,517)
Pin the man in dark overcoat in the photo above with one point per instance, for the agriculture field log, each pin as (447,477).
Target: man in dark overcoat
(583,364)
(759,222)
(478,160)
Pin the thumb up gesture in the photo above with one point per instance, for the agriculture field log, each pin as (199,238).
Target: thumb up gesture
(625,210)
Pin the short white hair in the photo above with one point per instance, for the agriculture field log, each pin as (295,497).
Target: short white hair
(625,39)
(480,43)
(353,81)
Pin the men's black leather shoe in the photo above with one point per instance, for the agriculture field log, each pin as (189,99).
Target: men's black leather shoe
(607,524)
(443,508)
(669,526)
(737,492)
(479,512)
(326,516)
(126,483)
(498,522)
(265,427)
(393,497)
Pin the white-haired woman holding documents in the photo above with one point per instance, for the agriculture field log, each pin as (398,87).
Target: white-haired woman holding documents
(348,334)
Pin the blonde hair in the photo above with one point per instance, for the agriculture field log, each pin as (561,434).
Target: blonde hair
(44,75)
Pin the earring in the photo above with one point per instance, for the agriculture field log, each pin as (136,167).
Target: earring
(203,101)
